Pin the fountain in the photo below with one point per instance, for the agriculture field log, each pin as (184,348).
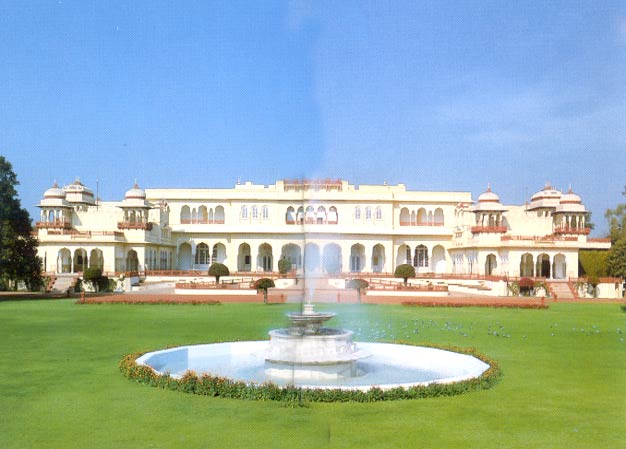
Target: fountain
(306,351)
(308,355)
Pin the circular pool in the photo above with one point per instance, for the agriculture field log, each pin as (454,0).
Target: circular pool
(388,366)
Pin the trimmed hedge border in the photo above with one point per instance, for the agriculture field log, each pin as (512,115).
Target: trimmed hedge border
(495,305)
(208,385)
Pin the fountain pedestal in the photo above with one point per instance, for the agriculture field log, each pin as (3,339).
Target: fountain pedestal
(306,351)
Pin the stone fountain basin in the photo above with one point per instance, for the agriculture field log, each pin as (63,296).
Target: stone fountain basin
(389,365)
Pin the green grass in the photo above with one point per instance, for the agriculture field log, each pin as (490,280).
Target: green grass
(563,384)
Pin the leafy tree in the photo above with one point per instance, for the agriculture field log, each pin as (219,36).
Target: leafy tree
(616,260)
(593,263)
(358,285)
(18,249)
(405,271)
(218,270)
(262,285)
(284,266)
(617,221)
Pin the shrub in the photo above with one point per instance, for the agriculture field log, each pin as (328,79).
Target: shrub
(358,285)
(284,266)
(218,270)
(262,285)
(526,286)
(405,271)
(94,276)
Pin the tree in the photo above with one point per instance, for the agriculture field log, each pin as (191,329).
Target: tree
(262,285)
(284,266)
(218,270)
(405,271)
(358,285)
(18,249)
(616,260)
(94,275)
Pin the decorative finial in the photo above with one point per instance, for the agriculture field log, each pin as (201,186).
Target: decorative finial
(570,188)
(238,180)
(488,187)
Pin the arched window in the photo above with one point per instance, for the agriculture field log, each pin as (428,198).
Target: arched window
(310,215)
(439,217)
(265,214)
(254,212)
(320,217)
(357,213)
(421,256)
(379,213)
(405,217)
(300,215)
(202,215)
(244,212)
(219,215)
(332,215)
(290,216)
(368,213)
(203,256)
(185,215)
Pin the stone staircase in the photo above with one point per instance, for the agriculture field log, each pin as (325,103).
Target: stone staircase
(560,290)
(63,282)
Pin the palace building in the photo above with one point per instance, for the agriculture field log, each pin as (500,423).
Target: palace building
(323,226)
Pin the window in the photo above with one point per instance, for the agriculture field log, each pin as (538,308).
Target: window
(357,213)
(379,213)
(255,212)
(368,213)
(265,214)
(244,212)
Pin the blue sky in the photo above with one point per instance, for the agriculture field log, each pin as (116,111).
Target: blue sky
(437,95)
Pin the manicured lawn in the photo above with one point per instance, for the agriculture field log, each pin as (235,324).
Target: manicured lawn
(563,384)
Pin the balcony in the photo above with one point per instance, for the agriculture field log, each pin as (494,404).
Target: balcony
(58,224)
(139,226)
(560,230)
(487,229)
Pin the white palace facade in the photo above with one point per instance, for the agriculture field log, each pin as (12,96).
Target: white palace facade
(322,226)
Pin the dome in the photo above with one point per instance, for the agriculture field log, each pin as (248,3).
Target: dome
(135,193)
(570,198)
(547,193)
(54,192)
(488,201)
(488,197)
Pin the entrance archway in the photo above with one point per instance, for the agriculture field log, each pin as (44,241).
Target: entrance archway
(543,267)
(311,258)
(332,258)
(490,264)
(526,265)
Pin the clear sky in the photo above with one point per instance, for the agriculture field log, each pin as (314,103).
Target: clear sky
(437,95)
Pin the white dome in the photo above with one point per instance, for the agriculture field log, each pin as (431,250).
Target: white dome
(547,193)
(135,193)
(570,198)
(54,192)
(488,197)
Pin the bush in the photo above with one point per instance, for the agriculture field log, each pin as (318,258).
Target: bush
(94,276)
(284,266)
(526,286)
(262,285)
(405,271)
(358,285)
(218,270)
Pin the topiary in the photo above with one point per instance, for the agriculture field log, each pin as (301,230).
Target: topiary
(284,266)
(218,270)
(263,284)
(358,285)
(404,271)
